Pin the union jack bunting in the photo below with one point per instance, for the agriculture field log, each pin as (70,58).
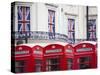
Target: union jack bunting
(91,30)
(23,18)
(71,30)
(51,23)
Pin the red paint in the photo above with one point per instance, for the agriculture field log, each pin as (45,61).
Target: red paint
(56,57)
(91,54)
(69,54)
(26,57)
(37,54)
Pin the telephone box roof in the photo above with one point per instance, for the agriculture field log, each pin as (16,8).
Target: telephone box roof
(91,42)
(43,44)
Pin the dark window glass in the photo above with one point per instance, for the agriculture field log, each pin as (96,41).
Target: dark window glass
(84,66)
(52,64)
(19,63)
(84,62)
(38,65)
(19,70)
(69,63)
(84,59)
(19,66)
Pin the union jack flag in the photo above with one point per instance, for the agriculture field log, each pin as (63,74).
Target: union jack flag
(51,23)
(23,18)
(91,29)
(71,30)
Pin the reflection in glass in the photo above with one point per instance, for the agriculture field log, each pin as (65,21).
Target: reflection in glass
(84,62)
(52,64)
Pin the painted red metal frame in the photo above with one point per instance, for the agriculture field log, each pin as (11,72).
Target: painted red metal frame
(50,51)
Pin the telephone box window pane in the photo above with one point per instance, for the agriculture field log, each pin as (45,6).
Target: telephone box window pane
(38,65)
(84,59)
(19,70)
(54,67)
(69,60)
(19,66)
(52,64)
(38,61)
(84,66)
(38,68)
(19,63)
(69,63)
(84,62)
(52,61)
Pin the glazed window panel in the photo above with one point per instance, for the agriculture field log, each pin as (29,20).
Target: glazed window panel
(23,16)
(91,30)
(52,61)
(84,62)
(69,63)
(38,65)
(85,66)
(38,61)
(38,68)
(19,63)
(19,70)
(51,23)
(71,30)
(19,66)
(84,59)
(52,64)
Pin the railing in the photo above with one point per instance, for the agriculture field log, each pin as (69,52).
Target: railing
(39,35)
(81,40)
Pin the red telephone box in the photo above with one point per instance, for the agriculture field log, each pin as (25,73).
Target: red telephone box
(85,56)
(23,59)
(54,57)
(37,58)
(69,57)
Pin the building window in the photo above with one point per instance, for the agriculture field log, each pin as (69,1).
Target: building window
(91,33)
(71,30)
(38,65)
(51,24)
(23,16)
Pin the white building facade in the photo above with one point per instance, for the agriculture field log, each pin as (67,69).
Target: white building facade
(51,20)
